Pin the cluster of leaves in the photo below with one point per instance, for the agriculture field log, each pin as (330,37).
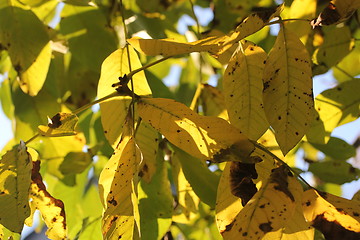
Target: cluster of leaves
(190,160)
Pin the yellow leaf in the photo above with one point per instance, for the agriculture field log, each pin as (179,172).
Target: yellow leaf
(170,47)
(243,89)
(288,97)
(335,217)
(213,44)
(114,111)
(213,102)
(25,38)
(302,9)
(51,209)
(117,185)
(148,140)
(229,205)
(269,209)
(62,124)
(297,228)
(201,136)
(15,180)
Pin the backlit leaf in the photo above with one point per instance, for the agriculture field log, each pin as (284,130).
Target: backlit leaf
(337,106)
(90,41)
(335,217)
(51,209)
(156,202)
(25,38)
(117,186)
(215,45)
(243,89)
(62,124)
(338,43)
(288,97)
(75,162)
(170,47)
(269,209)
(148,140)
(302,9)
(229,205)
(201,136)
(15,180)
(114,111)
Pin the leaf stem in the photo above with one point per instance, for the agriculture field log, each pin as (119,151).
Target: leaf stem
(263,148)
(196,96)
(32,138)
(287,20)
(132,73)
(86,106)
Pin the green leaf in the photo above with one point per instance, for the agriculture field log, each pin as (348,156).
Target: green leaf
(206,138)
(156,203)
(114,111)
(15,180)
(338,172)
(243,89)
(75,162)
(89,39)
(25,38)
(336,148)
(288,97)
(202,180)
(337,106)
(337,44)
(62,124)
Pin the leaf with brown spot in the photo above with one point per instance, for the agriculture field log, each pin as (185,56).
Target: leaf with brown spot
(117,186)
(243,89)
(336,12)
(61,124)
(335,217)
(288,99)
(51,209)
(204,137)
(227,204)
(15,180)
(269,209)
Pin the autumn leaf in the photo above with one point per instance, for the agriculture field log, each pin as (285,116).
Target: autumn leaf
(335,217)
(62,124)
(268,210)
(243,89)
(52,210)
(15,180)
(117,186)
(114,110)
(337,11)
(288,97)
(203,137)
